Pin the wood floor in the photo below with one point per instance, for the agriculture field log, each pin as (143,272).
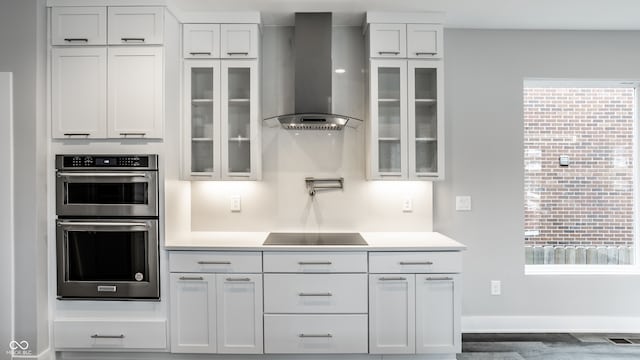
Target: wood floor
(548,347)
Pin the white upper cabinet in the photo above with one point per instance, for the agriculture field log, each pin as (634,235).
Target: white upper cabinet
(135,106)
(79,86)
(77,25)
(136,25)
(201,41)
(388,40)
(424,41)
(239,41)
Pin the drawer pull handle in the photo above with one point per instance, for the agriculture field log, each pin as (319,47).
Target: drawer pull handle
(303,335)
(396,278)
(315,294)
(201,53)
(125,134)
(191,278)
(238,279)
(389,52)
(214,262)
(76,134)
(425,53)
(439,278)
(98,336)
(132,39)
(76,39)
(314,263)
(238,53)
(416,263)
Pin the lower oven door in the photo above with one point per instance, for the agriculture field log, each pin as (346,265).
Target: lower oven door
(107,259)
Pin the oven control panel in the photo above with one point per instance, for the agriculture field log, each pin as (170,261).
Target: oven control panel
(107,161)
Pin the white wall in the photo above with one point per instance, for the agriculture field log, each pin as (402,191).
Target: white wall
(484,140)
(280,201)
(22,40)
(6,211)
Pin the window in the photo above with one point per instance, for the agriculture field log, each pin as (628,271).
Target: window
(580,174)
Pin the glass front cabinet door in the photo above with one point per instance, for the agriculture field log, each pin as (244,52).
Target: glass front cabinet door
(406,114)
(222,120)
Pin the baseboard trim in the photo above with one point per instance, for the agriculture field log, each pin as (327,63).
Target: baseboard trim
(550,324)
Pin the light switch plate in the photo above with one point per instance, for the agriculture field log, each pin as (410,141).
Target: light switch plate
(236,203)
(496,287)
(463,203)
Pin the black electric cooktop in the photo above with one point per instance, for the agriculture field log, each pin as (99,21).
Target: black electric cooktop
(314,239)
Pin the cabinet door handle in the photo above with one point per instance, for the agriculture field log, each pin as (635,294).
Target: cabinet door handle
(425,53)
(201,53)
(314,263)
(237,53)
(133,133)
(138,40)
(389,52)
(303,335)
(315,294)
(189,278)
(384,278)
(238,279)
(76,134)
(98,336)
(439,278)
(214,262)
(76,40)
(416,262)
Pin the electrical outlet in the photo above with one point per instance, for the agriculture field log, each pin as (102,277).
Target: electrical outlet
(496,287)
(463,203)
(407,205)
(236,202)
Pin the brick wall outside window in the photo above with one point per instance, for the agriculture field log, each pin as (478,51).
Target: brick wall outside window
(590,202)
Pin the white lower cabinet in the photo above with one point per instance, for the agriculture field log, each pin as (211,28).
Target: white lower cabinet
(392,314)
(95,334)
(216,313)
(315,334)
(438,314)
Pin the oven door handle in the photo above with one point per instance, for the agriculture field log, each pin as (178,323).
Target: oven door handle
(101,174)
(79,223)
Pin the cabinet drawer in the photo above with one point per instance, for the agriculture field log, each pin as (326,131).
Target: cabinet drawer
(135,25)
(79,25)
(315,334)
(415,262)
(388,40)
(99,334)
(215,261)
(315,261)
(315,293)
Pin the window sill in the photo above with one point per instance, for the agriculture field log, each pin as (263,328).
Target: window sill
(582,270)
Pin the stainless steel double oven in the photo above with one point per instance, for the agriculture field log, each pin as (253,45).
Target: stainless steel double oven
(107,227)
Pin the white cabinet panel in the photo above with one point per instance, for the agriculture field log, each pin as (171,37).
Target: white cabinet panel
(315,293)
(136,25)
(193,313)
(201,40)
(315,262)
(392,314)
(215,261)
(388,40)
(239,41)
(415,262)
(79,25)
(135,97)
(239,319)
(315,334)
(424,41)
(437,314)
(78,92)
(109,334)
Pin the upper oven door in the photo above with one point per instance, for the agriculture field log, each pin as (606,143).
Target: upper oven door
(107,193)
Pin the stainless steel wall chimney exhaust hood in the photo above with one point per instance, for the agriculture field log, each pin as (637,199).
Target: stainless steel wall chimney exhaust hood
(313,76)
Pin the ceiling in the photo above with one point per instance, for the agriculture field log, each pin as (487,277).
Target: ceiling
(479,14)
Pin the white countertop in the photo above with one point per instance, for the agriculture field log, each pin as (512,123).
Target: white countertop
(388,241)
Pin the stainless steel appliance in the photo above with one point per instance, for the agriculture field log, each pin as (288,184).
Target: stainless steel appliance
(107,228)
(314,239)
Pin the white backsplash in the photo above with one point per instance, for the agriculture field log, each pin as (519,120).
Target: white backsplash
(280,202)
